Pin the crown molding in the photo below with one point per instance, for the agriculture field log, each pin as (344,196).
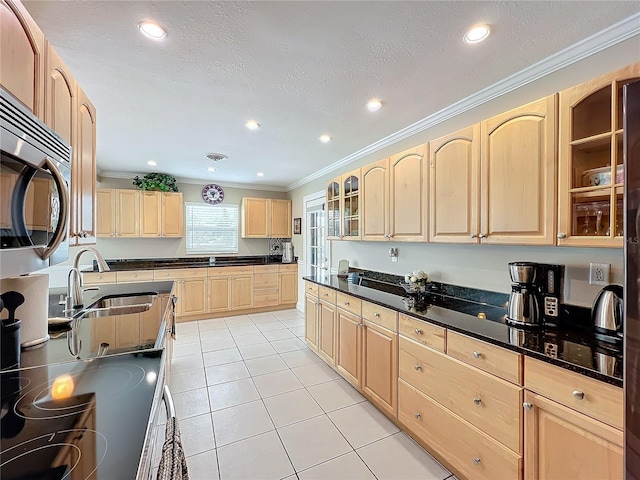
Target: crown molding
(197,181)
(610,36)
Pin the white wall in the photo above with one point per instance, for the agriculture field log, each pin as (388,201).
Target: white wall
(483,266)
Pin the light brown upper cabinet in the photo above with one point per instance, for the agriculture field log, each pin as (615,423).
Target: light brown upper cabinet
(343,207)
(118,213)
(172,215)
(266,217)
(150,214)
(454,192)
(83,171)
(591,170)
(106,212)
(60,92)
(22,62)
(518,175)
(394,197)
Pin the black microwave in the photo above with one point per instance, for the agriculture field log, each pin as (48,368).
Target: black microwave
(35,178)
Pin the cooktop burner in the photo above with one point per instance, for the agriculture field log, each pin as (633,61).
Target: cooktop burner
(84,420)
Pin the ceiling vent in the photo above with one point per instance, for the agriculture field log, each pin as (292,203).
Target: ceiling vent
(216,157)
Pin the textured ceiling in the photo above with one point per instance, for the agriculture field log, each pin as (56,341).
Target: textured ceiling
(298,68)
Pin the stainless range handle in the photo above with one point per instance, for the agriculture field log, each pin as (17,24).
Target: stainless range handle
(168,402)
(61,230)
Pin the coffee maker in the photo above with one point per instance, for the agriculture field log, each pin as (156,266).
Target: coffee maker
(536,293)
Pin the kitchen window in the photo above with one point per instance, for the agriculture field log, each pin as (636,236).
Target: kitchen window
(211,229)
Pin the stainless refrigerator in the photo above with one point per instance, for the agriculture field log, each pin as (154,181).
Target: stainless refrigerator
(631,146)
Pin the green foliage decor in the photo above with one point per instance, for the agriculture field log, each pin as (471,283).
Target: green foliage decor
(156,181)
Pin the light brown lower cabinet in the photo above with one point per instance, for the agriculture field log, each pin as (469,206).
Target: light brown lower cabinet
(473,453)
(379,377)
(348,361)
(311,321)
(561,443)
(288,287)
(327,333)
(193,296)
(241,292)
(219,294)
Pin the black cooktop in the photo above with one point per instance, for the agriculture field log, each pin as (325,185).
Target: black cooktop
(85,419)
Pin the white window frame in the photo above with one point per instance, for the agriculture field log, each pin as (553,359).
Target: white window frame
(188,225)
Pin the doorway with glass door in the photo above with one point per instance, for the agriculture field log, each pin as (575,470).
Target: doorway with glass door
(316,244)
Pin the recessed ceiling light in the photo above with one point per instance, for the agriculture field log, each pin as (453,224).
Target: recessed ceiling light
(374,104)
(252,125)
(211,169)
(151,163)
(325,138)
(152,30)
(477,34)
(260,174)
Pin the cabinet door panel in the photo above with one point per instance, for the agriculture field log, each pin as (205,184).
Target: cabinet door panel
(127,330)
(288,288)
(454,194)
(280,218)
(380,366)
(311,322)
(219,294)
(172,214)
(83,183)
(127,213)
(150,214)
(255,218)
(349,347)
(518,175)
(60,91)
(106,212)
(596,448)
(327,332)
(150,321)
(407,195)
(242,293)
(22,61)
(194,296)
(375,201)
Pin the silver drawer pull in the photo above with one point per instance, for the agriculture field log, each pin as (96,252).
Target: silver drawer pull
(476,461)
(376,315)
(562,235)
(417,367)
(418,331)
(477,354)
(417,415)
(528,406)
(326,294)
(346,303)
(578,394)
(477,401)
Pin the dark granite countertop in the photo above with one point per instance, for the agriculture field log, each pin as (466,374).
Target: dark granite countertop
(187,262)
(566,345)
(88,330)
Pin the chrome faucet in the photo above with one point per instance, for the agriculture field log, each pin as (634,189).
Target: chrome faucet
(74,281)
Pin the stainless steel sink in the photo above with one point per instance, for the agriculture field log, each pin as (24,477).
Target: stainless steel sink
(124,305)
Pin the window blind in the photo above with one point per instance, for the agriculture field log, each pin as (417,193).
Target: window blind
(211,229)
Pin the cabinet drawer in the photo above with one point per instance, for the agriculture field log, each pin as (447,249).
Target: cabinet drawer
(288,267)
(265,298)
(265,268)
(192,272)
(327,294)
(379,315)
(265,280)
(592,397)
(473,453)
(349,303)
(422,332)
(95,278)
(487,402)
(229,271)
(499,361)
(166,274)
(135,276)
(311,288)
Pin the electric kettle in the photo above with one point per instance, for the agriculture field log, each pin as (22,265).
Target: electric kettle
(607,313)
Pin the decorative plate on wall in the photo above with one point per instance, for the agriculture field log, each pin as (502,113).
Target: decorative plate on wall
(213,194)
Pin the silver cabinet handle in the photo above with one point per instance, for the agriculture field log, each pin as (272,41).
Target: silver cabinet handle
(476,461)
(562,235)
(482,235)
(528,406)
(417,415)
(417,367)
(474,235)
(346,303)
(326,294)
(477,354)
(418,331)
(477,401)
(578,394)
(376,315)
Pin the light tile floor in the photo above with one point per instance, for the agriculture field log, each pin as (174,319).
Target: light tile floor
(255,403)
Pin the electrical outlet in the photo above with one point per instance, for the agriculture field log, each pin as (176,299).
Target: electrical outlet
(599,273)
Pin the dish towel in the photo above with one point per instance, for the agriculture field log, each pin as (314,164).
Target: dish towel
(173,464)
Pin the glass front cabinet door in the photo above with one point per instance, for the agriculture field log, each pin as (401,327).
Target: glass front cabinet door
(351,205)
(334,209)
(591,170)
